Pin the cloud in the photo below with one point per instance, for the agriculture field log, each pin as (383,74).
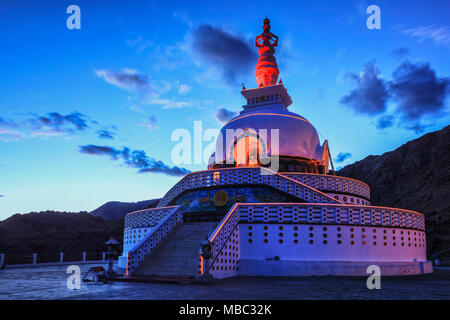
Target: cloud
(1,196)
(128,79)
(224,115)
(135,159)
(53,124)
(340,53)
(105,134)
(370,94)
(185,18)
(56,124)
(9,131)
(418,91)
(400,52)
(7,124)
(417,127)
(341,157)
(150,91)
(101,151)
(169,103)
(223,51)
(385,121)
(184,88)
(150,124)
(439,35)
(136,108)
(414,87)
(139,44)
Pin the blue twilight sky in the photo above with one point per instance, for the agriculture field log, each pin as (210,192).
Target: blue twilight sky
(75,104)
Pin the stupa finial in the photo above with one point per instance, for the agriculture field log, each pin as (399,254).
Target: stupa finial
(266,69)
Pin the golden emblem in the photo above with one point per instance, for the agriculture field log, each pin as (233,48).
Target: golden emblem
(221,198)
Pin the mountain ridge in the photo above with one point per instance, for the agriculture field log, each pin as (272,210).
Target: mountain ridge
(114,210)
(415,176)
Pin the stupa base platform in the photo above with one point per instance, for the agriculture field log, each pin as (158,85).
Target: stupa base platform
(156,279)
(329,268)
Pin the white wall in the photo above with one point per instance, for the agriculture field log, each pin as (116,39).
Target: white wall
(252,246)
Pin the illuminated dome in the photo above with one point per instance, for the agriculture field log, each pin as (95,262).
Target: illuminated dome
(297,136)
(266,128)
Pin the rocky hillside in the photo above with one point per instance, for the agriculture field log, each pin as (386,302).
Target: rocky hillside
(415,176)
(50,232)
(114,210)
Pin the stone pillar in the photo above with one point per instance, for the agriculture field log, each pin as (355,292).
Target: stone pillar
(2,260)
(84,257)
(61,257)
(34,258)
(103,256)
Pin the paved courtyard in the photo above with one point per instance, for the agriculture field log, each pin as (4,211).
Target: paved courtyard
(50,283)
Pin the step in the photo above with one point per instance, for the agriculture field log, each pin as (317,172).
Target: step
(178,254)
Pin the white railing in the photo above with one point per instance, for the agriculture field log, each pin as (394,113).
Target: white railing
(150,242)
(329,183)
(220,237)
(317,213)
(247,175)
(146,218)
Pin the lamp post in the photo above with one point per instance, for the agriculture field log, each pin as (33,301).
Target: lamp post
(206,255)
(111,252)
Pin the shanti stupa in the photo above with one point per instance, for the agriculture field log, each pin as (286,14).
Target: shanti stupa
(269,206)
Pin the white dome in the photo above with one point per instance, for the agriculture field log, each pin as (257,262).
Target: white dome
(297,136)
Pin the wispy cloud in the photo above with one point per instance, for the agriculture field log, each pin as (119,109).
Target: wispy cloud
(185,18)
(134,158)
(400,52)
(9,131)
(169,103)
(105,134)
(150,124)
(150,92)
(340,53)
(53,124)
(439,35)
(417,127)
(184,88)
(139,44)
(101,150)
(136,108)
(128,79)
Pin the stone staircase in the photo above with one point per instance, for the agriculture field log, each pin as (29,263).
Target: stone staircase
(178,254)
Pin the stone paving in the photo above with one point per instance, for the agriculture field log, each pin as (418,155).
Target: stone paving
(50,283)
